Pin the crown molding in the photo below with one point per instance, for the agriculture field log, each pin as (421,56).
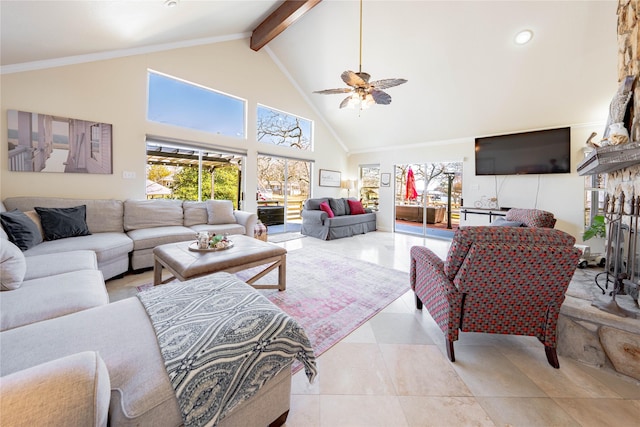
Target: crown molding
(112,54)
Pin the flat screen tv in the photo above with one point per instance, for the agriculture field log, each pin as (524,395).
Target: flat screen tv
(537,152)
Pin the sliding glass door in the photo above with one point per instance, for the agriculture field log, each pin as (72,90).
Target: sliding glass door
(283,185)
(427,198)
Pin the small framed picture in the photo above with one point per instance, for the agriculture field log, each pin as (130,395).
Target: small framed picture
(385,179)
(329,178)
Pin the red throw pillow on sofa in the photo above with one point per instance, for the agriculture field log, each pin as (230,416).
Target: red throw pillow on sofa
(324,206)
(356,207)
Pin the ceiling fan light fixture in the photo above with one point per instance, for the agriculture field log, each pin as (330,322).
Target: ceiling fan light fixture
(524,37)
(362,92)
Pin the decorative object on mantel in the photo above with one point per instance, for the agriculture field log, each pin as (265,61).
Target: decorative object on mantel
(610,158)
(622,259)
(620,104)
(618,134)
(363,93)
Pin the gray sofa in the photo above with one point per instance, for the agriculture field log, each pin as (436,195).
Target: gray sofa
(124,233)
(317,223)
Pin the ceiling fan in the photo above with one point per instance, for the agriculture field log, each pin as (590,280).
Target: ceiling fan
(363,92)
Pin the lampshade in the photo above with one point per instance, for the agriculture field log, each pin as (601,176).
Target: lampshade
(348,184)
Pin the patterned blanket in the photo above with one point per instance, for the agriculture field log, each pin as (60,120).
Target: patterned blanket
(221,341)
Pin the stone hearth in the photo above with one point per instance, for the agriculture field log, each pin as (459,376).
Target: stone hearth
(593,336)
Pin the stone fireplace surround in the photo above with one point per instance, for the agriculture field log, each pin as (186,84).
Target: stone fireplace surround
(586,333)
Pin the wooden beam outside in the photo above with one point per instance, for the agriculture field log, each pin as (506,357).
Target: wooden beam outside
(280,20)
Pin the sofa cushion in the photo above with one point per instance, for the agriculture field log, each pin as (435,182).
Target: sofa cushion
(146,238)
(324,207)
(219,228)
(140,214)
(314,204)
(501,222)
(141,393)
(337,206)
(20,229)
(33,216)
(58,263)
(220,212)
(12,266)
(107,246)
(195,213)
(56,296)
(355,207)
(60,223)
(346,206)
(72,391)
(532,217)
(103,215)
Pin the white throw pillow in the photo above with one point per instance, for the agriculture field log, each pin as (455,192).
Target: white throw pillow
(12,266)
(220,212)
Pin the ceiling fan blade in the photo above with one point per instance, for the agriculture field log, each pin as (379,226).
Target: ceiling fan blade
(345,102)
(380,97)
(333,91)
(387,83)
(353,79)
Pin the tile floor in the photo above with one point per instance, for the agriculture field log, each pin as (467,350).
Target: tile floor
(393,371)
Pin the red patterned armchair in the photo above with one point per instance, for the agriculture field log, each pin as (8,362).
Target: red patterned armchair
(501,280)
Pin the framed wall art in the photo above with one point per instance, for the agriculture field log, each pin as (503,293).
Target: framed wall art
(47,143)
(329,178)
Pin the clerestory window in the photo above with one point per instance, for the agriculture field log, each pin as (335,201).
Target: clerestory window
(177,102)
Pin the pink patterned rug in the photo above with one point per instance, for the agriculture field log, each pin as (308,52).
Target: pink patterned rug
(330,295)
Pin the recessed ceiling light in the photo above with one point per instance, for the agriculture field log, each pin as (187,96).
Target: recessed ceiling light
(524,36)
(171,3)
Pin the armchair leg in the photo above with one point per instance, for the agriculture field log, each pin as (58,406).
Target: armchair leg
(450,352)
(418,303)
(552,356)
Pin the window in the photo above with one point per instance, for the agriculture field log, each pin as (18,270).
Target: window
(177,102)
(279,128)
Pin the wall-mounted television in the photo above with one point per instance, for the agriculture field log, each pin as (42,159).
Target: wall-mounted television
(537,152)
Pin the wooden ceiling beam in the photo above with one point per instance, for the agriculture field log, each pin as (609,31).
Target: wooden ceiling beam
(280,20)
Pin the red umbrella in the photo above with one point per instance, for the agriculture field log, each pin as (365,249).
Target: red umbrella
(411,193)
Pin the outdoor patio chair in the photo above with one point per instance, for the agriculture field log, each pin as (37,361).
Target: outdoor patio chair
(501,280)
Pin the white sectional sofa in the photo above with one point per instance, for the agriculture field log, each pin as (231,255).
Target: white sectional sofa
(69,357)
(124,233)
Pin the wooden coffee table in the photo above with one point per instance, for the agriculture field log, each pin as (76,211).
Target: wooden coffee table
(245,253)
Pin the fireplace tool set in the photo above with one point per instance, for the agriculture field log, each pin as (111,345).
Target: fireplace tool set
(622,266)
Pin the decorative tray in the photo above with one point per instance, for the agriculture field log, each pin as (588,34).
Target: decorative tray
(193,246)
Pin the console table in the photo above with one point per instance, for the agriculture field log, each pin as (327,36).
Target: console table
(491,213)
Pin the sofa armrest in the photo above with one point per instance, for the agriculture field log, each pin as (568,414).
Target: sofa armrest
(73,390)
(248,220)
(314,217)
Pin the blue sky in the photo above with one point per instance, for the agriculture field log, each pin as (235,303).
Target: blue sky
(175,102)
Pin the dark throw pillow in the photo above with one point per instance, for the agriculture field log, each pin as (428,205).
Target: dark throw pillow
(59,223)
(22,231)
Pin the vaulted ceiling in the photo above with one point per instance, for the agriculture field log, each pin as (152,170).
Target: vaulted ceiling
(466,76)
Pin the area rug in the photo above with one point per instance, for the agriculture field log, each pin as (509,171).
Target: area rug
(330,295)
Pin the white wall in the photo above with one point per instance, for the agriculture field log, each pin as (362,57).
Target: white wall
(562,194)
(115,91)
